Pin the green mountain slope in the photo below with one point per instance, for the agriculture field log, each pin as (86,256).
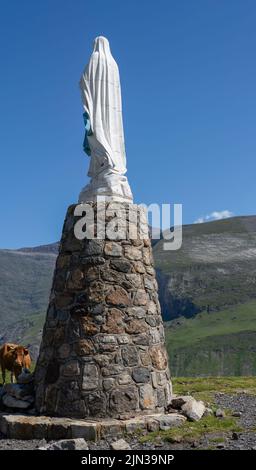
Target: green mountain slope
(220,343)
(207,289)
(25,282)
(214,269)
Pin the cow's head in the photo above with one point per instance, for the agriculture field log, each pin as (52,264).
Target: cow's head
(18,354)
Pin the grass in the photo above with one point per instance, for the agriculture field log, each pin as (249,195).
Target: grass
(204,388)
(195,430)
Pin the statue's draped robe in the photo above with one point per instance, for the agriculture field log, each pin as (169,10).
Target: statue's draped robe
(101,95)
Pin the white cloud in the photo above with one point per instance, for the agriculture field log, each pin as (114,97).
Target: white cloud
(215,215)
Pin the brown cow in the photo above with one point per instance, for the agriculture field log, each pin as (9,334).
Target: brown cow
(14,357)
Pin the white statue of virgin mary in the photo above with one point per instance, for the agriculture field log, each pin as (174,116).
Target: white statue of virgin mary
(104,135)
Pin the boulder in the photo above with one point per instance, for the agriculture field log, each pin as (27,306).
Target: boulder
(169,421)
(18,391)
(178,401)
(121,444)
(25,377)
(12,402)
(67,444)
(193,409)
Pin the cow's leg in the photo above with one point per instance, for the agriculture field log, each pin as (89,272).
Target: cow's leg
(12,376)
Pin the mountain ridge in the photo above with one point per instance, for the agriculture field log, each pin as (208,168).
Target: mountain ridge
(214,271)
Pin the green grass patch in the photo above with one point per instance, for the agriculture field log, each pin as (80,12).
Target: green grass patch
(217,439)
(204,388)
(194,430)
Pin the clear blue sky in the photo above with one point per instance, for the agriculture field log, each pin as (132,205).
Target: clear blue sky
(188,74)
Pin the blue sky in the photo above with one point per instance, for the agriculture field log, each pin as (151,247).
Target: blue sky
(188,75)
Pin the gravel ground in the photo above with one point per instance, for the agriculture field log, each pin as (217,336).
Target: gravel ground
(242,405)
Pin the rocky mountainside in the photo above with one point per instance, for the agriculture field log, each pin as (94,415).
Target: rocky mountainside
(214,269)
(207,292)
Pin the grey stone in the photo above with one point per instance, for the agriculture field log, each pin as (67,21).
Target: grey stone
(123,339)
(121,444)
(64,351)
(136,312)
(169,421)
(87,430)
(147,397)
(130,355)
(124,399)
(90,377)
(97,404)
(12,402)
(178,401)
(121,265)
(152,308)
(124,379)
(132,253)
(151,320)
(92,260)
(108,384)
(141,374)
(113,369)
(193,409)
(141,339)
(70,369)
(67,444)
(149,283)
(134,279)
(18,391)
(219,413)
(25,377)
(94,247)
(153,425)
(113,249)
(161,397)
(141,297)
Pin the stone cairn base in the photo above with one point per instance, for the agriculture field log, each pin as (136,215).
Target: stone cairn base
(103,352)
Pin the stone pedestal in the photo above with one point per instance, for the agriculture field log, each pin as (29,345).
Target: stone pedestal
(102,352)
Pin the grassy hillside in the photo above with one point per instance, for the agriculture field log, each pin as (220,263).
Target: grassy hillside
(207,289)
(214,269)
(220,343)
(25,282)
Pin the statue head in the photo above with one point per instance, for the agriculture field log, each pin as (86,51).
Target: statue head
(101,44)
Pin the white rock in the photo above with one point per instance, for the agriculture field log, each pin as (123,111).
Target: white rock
(67,444)
(178,401)
(193,409)
(121,444)
(169,421)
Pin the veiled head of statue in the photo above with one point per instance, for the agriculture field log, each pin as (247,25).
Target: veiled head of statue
(101,44)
